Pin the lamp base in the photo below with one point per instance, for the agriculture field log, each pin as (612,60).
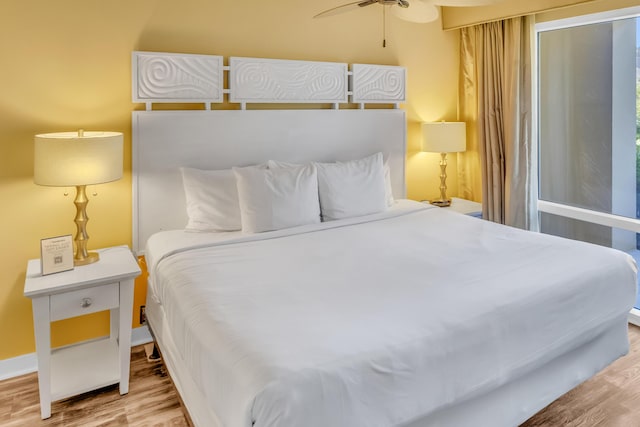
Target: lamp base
(82,256)
(442,203)
(89,259)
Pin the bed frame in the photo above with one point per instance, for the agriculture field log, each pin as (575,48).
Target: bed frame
(166,140)
(322,131)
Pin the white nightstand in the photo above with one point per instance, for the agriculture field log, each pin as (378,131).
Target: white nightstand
(466,207)
(104,285)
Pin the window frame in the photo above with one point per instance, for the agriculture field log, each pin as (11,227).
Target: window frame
(559,209)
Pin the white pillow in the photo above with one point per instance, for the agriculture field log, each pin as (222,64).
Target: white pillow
(351,188)
(271,199)
(212,200)
(277,164)
(388,188)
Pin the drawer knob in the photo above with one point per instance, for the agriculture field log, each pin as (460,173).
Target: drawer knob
(86,302)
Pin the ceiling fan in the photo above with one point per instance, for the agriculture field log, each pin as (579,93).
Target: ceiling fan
(409,10)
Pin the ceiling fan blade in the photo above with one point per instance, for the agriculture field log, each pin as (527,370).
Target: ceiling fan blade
(418,11)
(344,8)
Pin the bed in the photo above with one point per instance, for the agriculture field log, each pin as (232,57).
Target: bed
(407,316)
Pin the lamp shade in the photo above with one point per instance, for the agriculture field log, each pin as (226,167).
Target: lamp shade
(444,137)
(77,158)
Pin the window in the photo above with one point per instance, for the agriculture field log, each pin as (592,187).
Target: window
(589,129)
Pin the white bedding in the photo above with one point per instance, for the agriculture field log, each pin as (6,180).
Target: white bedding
(378,320)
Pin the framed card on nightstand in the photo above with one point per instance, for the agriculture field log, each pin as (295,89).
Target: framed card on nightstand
(56,254)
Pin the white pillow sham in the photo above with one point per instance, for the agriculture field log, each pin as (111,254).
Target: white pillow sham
(352,188)
(272,199)
(212,200)
(388,188)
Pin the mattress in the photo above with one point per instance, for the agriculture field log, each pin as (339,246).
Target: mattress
(378,320)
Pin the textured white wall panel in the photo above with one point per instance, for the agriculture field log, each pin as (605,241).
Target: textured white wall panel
(166,77)
(378,83)
(272,80)
(172,77)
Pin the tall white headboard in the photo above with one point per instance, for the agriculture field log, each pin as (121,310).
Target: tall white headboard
(165,140)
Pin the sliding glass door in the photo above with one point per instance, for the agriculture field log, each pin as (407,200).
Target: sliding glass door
(588,129)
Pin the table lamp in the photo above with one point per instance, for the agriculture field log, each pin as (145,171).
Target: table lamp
(78,159)
(443,138)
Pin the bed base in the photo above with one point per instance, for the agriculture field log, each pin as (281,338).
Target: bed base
(197,411)
(517,401)
(507,406)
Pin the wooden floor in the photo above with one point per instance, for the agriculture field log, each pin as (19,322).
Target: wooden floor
(152,401)
(610,399)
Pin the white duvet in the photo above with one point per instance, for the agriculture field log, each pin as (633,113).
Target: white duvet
(379,320)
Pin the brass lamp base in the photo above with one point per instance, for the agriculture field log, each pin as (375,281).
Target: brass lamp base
(89,259)
(82,256)
(443,203)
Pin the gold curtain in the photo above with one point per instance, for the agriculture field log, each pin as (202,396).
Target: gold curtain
(469,186)
(496,103)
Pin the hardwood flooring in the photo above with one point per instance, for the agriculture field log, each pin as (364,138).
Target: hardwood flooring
(152,401)
(610,399)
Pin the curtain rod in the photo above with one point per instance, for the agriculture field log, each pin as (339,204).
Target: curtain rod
(516,15)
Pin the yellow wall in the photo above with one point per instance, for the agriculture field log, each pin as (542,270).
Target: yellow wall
(66,65)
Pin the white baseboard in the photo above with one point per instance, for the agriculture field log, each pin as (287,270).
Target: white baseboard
(28,363)
(17,366)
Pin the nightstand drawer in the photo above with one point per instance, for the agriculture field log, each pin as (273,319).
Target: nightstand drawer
(84,301)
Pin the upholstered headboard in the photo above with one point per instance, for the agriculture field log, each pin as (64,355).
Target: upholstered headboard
(165,140)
